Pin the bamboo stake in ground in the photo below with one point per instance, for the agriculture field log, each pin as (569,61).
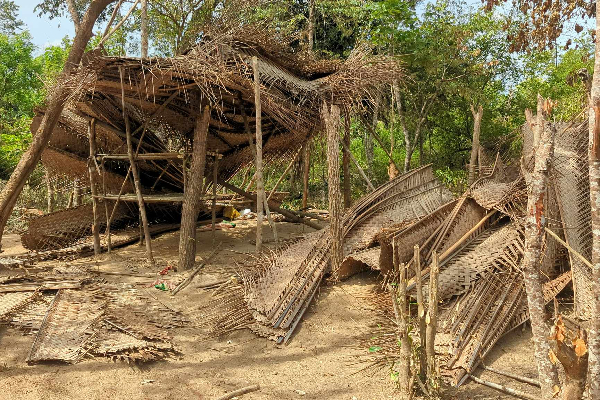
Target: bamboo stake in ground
(535,223)
(93,172)
(421,312)
(260,187)
(135,173)
(214,197)
(331,119)
(431,320)
(192,196)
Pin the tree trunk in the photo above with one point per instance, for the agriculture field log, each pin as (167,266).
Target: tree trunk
(535,223)
(475,146)
(311,25)
(431,320)
(144,29)
(401,312)
(331,119)
(93,172)
(55,104)
(594,171)
(76,193)
(368,140)
(409,148)
(192,197)
(74,14)
(420,312)
(258,163)
(346,163)
(575,370)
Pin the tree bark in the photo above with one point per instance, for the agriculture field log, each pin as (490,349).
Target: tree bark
(74,14)
(475,146)
(401,313)
(144,29)
(421,312)
(331,119)
(535,223)
(260,186)
(311,25)
(431,321)
(76,193)
(192,197)
(346,163)
(368,140)
(594,172)
(55,104)
(306,175)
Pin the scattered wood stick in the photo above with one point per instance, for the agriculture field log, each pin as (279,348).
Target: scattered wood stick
(571,250)
(187,280)
(239,392)
(515,377)
(504,389)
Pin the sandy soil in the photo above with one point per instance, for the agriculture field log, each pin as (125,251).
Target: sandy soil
(323,360)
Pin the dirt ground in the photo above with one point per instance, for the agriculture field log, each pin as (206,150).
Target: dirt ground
(323,360)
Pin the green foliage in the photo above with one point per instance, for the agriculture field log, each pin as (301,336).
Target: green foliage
(9,23)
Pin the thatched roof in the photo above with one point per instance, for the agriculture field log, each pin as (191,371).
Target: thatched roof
(217,71)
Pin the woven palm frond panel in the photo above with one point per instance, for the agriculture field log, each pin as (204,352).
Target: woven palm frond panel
(68,328)
(571,181)
(13,302)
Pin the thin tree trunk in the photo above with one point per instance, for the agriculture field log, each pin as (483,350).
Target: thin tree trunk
(346,162)
(50,189)
(93,172)
(534,235)
(55,104)
(74,14)
(214,198)
(401,313)
(192,197)
(260,187)
(135,173)
(331,118)
(144,29)
(475,146)
(368,140)
(311,25)
(594,172)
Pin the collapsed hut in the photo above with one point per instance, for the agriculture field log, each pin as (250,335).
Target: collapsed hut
(154,140)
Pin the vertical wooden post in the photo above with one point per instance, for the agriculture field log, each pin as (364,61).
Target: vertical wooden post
(214,196)
(50,189)
(331,119)
(135,173)
(144,28)
(346,161)
(93,171)
(431,320)
(192,197)
(421,312)
(305,175)
(76,192)
(260,188)
(107,229)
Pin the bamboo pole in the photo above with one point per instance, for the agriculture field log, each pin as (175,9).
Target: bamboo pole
(504,389)
(360,170)
(287,169)
(421,312)
(431,320)
(305,175)
(92,172)
(523,379)
(260,188)
(135,173)
(108,216)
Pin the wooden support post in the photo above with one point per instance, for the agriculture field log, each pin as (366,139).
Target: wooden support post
(50,189)
(214,197)
(331,119)
(421,312)
(401,311)
(260,188)
(135,173)
(108,216)
(305,175)
(93,172)
(346,162)
(431,320)
(355,162)
(192,198)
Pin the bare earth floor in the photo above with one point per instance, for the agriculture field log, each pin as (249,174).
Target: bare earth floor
(323,360)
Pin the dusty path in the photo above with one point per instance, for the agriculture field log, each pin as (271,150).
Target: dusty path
(321,361)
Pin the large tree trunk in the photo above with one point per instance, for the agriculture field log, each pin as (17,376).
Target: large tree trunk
(331,118)
(535,223)
(594,171)
(475,146)
(192,199)
(144,29)
(55,104)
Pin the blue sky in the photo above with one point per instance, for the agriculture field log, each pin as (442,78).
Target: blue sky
(45,32)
